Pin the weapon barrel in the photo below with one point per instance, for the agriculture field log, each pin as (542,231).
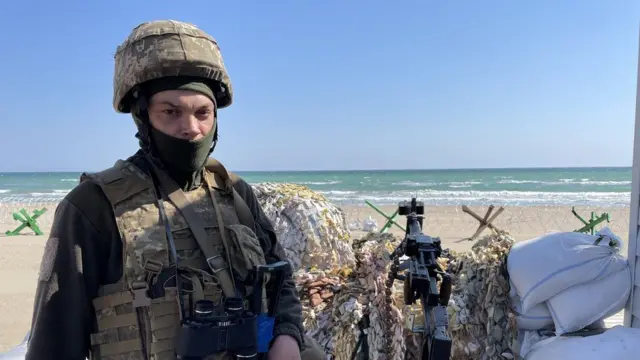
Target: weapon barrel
(413,226)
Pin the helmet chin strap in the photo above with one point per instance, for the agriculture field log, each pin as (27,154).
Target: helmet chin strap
(215,126)
(141,118)
(215,135)
(143,133)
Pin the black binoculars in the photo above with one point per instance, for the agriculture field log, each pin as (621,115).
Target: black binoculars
(209,331)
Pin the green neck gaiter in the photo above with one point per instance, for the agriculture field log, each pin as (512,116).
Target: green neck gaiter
(183,159)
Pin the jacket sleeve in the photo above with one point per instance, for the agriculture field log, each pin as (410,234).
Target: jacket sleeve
(288,320)
(74,262)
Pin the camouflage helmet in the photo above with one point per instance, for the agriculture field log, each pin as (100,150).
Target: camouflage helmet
(167,48)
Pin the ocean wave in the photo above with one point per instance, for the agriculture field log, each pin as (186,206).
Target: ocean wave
(5,191)
(339,192)
(430,183)
(567,182)
(333,182)
(463,184)
(430,197)
(28,200)
(413,183)
(514,198)
(54,193)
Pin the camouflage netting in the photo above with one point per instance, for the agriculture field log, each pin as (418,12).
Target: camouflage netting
(344,292)
(336,301)
(482,323)
(311,229)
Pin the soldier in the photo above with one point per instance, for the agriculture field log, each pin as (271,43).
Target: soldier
(133,247)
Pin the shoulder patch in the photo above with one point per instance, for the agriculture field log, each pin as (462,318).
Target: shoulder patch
(48,259)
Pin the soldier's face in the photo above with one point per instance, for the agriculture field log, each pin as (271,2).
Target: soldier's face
(182,114)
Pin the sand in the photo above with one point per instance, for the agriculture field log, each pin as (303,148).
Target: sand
(453,225)
(20,255)
(19,263)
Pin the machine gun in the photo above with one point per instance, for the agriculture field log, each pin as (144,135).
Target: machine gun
(421,272)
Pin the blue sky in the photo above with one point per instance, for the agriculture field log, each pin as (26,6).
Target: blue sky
(340,84)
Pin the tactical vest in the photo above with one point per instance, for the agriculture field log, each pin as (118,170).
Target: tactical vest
(138,317)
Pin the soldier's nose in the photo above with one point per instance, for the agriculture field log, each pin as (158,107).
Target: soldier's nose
(191,128)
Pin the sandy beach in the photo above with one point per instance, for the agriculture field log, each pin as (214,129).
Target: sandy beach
(20,255)
(453,225)
(19,263)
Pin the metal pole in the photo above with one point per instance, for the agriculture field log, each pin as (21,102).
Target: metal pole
(633,305)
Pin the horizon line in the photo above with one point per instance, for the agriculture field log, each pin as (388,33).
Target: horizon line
(372,169)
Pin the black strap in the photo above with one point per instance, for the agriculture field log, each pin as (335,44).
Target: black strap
(362,344)
(216,261)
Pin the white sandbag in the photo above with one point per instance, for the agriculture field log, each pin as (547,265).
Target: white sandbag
(528,339)
(370,225)
(355,225)
(616,343)
(581,305)
(608,233)
(537,318)
(542,267)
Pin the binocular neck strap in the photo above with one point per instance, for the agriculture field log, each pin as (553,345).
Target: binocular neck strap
(216,262)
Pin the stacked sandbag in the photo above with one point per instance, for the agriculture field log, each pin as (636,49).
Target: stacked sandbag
(311,229)
(482,322)
(555,277)
(537,318)
(616,343)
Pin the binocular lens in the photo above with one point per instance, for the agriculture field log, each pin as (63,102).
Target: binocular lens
(204,308)
(233,305)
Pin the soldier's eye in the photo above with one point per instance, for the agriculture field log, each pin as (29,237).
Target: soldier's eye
(203,112)
(170,112)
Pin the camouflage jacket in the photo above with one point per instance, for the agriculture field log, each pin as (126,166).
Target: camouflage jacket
(84,253)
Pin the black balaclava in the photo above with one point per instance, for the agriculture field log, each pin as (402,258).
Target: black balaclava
(183,159)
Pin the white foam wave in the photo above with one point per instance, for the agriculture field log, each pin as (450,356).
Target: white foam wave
(520,198)
(566,182)
(463,184)
(29,200)
(320,182)
(413,183)
(5,191)
(54,193)
(430,197)
(452,184)
(338,192)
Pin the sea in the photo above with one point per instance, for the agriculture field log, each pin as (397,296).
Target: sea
(515,187)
